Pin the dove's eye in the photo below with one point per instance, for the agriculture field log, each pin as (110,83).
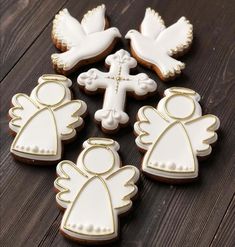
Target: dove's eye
(50,93)
(103,162)
(179,106)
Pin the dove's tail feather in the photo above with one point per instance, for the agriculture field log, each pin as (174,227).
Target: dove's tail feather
(168,67)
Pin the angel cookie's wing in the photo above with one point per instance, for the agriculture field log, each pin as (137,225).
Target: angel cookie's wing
(66,31)
(149,127)
(201,132)
(176,38)
(121,185)
(69,182)
(23,108)
(94,20)
(68,118)
(152,24)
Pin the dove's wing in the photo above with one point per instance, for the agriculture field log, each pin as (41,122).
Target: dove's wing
(201,132)
(121,185)
(23,109)
(94,20)
(152,24)
(68,118)
(67,30)
(69,182)
(177,37)
(150,126)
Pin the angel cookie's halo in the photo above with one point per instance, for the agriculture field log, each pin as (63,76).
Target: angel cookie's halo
(52,90)
(181,103)
(94,192)
(82,42)
(155,45)
(174,134)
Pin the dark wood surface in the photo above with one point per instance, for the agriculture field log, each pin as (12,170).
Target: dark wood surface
(197,214)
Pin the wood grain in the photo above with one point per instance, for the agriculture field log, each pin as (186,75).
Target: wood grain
(197,214)
(22,21)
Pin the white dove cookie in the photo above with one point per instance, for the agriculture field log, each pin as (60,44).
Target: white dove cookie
(116,83)
(174,135)
(155,46)
(81,43)
(44,119)
(94,192)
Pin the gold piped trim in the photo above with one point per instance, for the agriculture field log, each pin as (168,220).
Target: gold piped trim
(101,141)
(49,82)
(149,153)
(76,198)
(176,95)
(95,147)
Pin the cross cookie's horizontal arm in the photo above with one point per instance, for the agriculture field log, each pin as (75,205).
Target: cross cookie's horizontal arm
(141,84)
(93,79)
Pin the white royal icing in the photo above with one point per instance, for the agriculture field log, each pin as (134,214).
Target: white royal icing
(95,191)
(174,134)
(81,41)
(116,83)
(44,119)
(156,44)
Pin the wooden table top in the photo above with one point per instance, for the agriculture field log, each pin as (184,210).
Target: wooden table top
(196,214)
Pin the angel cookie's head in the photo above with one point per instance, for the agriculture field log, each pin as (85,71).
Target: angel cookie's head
(52,91)
(180,104)
(99,156)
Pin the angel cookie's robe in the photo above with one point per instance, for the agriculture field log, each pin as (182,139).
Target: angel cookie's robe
(172,152)
(91,213)
(38,138)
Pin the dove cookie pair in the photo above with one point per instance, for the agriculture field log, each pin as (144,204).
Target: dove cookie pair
(94,192)
(81,43)
(174,134)
(155,46)
(45,119)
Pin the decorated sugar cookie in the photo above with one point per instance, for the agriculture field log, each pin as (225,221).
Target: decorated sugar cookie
(155,46)
(174,135)
(94,192)
(44,119)
(81,43)
(116,83)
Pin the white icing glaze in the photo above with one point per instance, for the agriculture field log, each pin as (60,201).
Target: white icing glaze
(82,41)
(44,119)
(93,200)
(155,44)
(174,134)
(116,83)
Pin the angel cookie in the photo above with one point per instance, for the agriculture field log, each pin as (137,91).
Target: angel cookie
(155,45)
(116,83)
(174,135)
(94,192)
(44,119)
(81,43)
